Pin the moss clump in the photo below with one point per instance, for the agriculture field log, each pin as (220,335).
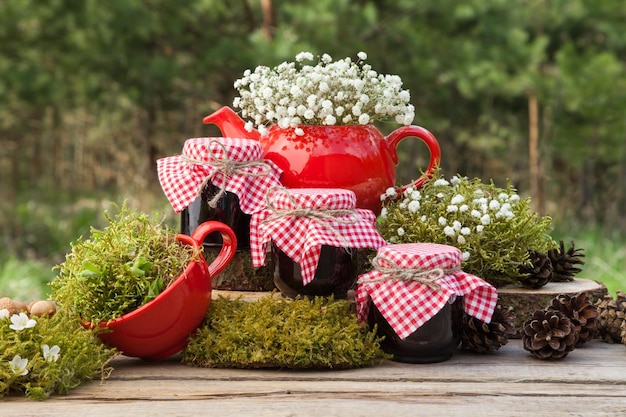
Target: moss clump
(493,227)
(52,356)
(120,267)
(282,333)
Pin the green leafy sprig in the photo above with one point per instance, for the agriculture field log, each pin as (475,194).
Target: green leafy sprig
(119,268)
(493,227)
(282,333)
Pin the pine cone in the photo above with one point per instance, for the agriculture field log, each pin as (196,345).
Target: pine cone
(611,315)
(549,334)
(564,262)
(539,273)
(481,337)
(581,313)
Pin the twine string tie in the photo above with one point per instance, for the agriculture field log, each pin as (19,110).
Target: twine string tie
(323,217)
(227,167)
(424,276)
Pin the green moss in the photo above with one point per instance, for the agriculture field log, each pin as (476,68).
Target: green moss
(494,227)
(81,357)
(282,333)
(119,268)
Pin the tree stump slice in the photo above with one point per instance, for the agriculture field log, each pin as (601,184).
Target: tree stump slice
(525,301)
(240,275)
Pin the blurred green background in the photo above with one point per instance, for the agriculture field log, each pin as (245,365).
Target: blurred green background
(93,92)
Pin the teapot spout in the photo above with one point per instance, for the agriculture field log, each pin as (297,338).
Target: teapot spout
(230,124)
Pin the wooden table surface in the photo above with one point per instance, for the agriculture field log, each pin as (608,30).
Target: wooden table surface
(590,381)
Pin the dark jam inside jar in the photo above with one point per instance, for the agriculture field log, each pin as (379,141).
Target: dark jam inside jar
(336,273)
(226,211)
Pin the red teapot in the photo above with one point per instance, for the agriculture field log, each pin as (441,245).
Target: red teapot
(353,157)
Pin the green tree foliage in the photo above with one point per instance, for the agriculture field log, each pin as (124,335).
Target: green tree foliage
(93,92)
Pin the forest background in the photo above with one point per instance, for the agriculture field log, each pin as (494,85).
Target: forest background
(93,92)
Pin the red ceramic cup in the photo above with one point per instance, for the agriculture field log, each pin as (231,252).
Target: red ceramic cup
(160,328)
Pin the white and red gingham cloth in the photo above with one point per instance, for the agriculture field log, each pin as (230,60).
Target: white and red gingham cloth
(182,177)
(292,222)
(407,304)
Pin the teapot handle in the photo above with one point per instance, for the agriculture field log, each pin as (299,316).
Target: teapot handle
(229,245)
(429,139)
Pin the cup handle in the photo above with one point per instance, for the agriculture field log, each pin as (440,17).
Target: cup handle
(229,245)
(428,138)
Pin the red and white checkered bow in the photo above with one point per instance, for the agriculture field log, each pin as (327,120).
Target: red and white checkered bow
(231,164)
(300,220)
(411,282)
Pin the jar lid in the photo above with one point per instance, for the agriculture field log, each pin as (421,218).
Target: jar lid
(235,149)
(314,198)
(412,282)
(231,164)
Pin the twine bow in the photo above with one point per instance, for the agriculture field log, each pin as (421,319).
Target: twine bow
(226,167)
(323,217)
(427,277)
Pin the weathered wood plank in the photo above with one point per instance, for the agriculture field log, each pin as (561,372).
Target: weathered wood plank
(590,381)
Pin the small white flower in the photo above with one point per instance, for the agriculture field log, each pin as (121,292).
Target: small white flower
(440,195)
(391,192)
(442,221)
(460,240)
(514,198)
(21,322)
(298,131)
(463,208)
(364,119)
(494,205)
(440,182)
(466,231)
(400,231)
(480,228)
(449,231)
(402,206)
(383,212)
(416,195)
(424,218)
(457,199)
(408,191)
(4,314)
(18,365)
(485,219)
(304,56)
(362,55)
(51,354)
(465,256)
(503,197)
(452,208)
(476,213)
(414,206)
(455,180)
(456,225)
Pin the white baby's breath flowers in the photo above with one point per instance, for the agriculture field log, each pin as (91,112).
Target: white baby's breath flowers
(493,227)
(4,314)
(328,93)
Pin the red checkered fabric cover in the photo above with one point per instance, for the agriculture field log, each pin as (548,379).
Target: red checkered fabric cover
(407,305)
(183,176)
(301,236)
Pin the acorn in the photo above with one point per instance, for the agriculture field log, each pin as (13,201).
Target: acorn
(42,308)
(7,303)
(20,307)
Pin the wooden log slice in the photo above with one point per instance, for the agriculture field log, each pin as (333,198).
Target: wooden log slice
(525,301)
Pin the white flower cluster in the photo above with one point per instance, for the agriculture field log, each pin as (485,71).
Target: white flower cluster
(330,93)
(463,215)
(19,322)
